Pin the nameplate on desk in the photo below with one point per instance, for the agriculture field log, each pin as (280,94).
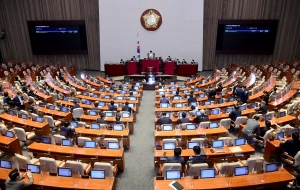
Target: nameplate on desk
(158,148)
(160,178)
(162,158)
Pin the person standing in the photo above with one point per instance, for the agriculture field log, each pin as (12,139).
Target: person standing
(251,129)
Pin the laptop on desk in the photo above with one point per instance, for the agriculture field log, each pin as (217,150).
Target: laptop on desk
(66,142)
(5,164)
(97,174)
(64,172)
(218,145)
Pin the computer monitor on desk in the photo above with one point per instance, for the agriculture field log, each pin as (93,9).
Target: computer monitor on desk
(213,125)
(218,144)
(271,167)
(5,164)
(282,114)
(164,105)
(239,142)
(207,173)
(24,116)
(192,144)
(64,172)
(268,117)
(125,115)
(201,95)
(74,124)
(113,145)
(243,107)
(39,119)
(51,107)
(109,114)
(179,105)
(46,140)
(172,174)
(88,102)
(280,136)
(241,170)
(93,113)
(167,127)
(9,134)
(207,103)
(215,112)
(95,126)
(89,144)
(191,126)
(66,142)
(118,127)
(169,145)
(34,168)
(97,174)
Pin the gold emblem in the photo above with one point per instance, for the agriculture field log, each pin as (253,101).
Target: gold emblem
(151,19)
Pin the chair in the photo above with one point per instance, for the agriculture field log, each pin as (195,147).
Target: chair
(52,123)
(271,113)
(225,123)
(204,124)
(228,141)
(107,140)
(169,166)
(201,141)
(24,112)
(78,167)
(287,129)
(292,161)
(109,169)
(24,160)
(50,164)
(183,125)
(225,168)
(77,113)
(58,139)
(54,96)
(22,135)
(240,120)
(253,163)
(195,168)
(81,140)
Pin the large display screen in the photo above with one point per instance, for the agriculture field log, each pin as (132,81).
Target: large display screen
(246,36)
(58,37)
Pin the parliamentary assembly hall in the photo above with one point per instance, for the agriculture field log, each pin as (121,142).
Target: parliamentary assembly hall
(149,95)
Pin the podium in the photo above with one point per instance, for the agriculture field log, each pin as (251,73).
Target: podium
(150,63)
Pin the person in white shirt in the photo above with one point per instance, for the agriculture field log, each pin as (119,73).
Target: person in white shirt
(151,55)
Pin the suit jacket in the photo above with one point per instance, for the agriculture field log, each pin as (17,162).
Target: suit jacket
(126,108)
(164,100)
(198,159)
(252,127)
(101,121)
(234,114)
(291,147)
(175,159)
(164,120)
(112,108)
(17,101)
(211,94)
(201,118)
(6,100)
(263,109)
(191,99)
(75,106)
(66,131)
(183,120)
(17,185)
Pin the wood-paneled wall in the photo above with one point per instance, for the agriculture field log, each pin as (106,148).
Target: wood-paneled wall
(287,45)
(14,15)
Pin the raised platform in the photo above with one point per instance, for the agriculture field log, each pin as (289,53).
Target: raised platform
(147,86)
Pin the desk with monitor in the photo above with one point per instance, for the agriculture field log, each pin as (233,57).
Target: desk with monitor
(8,144)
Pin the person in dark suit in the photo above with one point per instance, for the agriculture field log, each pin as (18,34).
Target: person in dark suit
(112,107)
(233,115)
(263,132)
(191,99)
(164,119)
(126,107)
(19,101)
(14,181)
(25,87)
(183,119)
(76,105)
(266,97)
(193,61)
(101,119)
(133,58)
(245,94)
(292,146)
(198,158)
(66,130)
(202,117)
(31,93)
(30,107)
(169,58)
(6,99)
(118,120)
(211,94)
(132,88)
(122,62)
(184,61)
(112,86)
(219,89)
(164,99)
(263,109)
(176,158)
(96,106)
(235,87)
(177,93)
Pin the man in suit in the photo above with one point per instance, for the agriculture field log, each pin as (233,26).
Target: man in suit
(112,86)
(292,146)
(164,99)
(193,62)
(96,106)
(245,94)
(19,101)
(14,181)
(66,130)
(132,88)
(151,55)
(169,58)
(176,158)
(251,129)
(101,119)
(183,61)
(164,119)
(76,105)
(30,107)
(126,107)
(198,158)
(112,107)
(266,97)
(6,99)
(263,109)
(233,115)
(191,99)
(211,94)
(183,119)
(118,120)
(202,117)
(178,62)
(122,62)
(133,58)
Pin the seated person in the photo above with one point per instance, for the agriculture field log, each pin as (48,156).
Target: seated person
(112,86)
(291,146)
(178,62)
(118,120)
(19,101)
(183,119)
(202,117)
(183,61)
(211,94)
(112,107)
(191,99)
(133,58)
(7,100)
(219,89)
(76,105)
(31,107)
(66,130)
(122,62)
(164,119)
(263,109)
(169,58)
(96,106)
(198,158)
(176,158)
(132,88)
(14,181)
(164,99)
(193,110)
(177,93)
(126,107)
(262,133)
(101,119)
(233,115)
(151,55)
(193,62)
(31,93)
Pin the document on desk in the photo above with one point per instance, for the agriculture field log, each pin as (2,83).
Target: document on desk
(235,149)
(175,185)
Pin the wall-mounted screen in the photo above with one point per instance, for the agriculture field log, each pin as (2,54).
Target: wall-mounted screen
(246,36)
(58,37)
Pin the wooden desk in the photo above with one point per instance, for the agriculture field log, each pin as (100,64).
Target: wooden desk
(194,81)
(104,80)
(10,145)
(280,120)
(126,121)
(49,81)
(107,100)
(73,153)
(214,80)
(189,134)
(58,114)
(212,157)
(43,96)
(85,79)
(56,182)
(69,79)
(271,148)
(27,124)
(272,81)
(106,134)
(273,180)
